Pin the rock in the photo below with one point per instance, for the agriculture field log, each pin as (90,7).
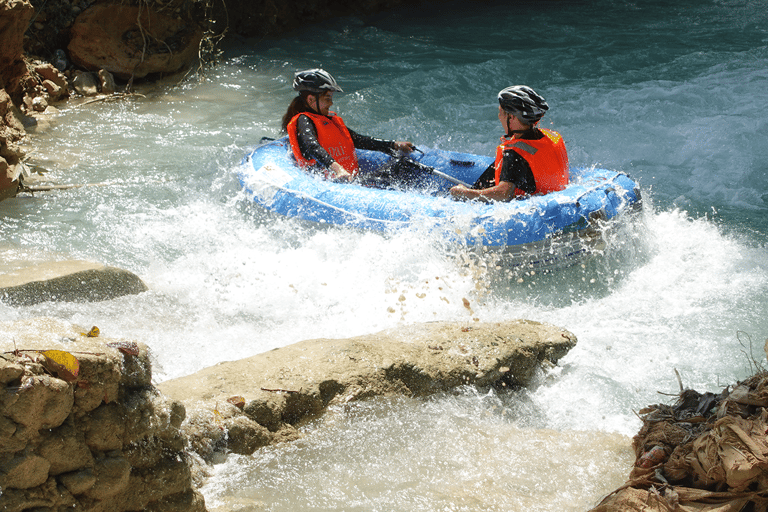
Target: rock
(132,42)
(85,84)
(11,125)
(11,131)
(54,90)
(10,371)
(67,281)
(77,482)
(24,471)
(112,474)
(54,82)
(107,82)
(105,428)
(41,402)
(124,453)
(65,449)
(60,60)
(14,20)
(283,387)
(9,185)
(39,104)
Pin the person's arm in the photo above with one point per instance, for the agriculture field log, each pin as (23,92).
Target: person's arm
(385,146)
(515,174)
(504,191)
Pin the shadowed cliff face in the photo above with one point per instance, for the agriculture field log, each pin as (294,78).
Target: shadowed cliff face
(114,38)
(14,18)
(50,28)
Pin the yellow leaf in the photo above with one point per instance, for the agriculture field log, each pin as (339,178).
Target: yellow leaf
(62,363)
(93,333)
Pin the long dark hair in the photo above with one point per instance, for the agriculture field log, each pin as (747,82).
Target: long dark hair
(297,106)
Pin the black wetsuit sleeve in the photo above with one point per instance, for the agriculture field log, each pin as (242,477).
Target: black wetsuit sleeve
(306,133)
(366,142)
(310,148)
(514,169)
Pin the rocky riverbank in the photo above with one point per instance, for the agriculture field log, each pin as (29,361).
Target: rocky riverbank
(51,50)
(82,426)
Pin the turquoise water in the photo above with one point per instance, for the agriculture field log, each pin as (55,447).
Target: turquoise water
(675,95)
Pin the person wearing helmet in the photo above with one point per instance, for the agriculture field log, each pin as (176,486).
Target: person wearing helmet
(529,160)
(318,137)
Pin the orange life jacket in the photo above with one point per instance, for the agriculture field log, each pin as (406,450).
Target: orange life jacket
(332,134)
(546,156)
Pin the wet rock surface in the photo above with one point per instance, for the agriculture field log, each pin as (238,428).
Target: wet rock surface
(82,427)
(241,405)
(67,281)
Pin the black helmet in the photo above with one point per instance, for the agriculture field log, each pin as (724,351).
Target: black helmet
(523,102)
(315,80)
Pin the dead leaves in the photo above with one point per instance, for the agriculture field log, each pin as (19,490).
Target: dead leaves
(93,333)
(62,364)
(65,365)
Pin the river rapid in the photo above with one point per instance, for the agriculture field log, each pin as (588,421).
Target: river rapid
(673,94)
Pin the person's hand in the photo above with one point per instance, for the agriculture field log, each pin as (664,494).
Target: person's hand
(404,146)
(339,173)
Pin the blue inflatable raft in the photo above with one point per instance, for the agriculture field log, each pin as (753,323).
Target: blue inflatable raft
(547,230)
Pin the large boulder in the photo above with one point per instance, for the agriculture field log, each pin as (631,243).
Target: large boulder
(132,41)
(67,281)
(241,405)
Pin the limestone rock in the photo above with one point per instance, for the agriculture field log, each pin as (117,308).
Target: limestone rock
(112,474)
(41,402)
(77,482)
(130,41)
(67,281)
(11,125)
(24,471)
(65,449)
(11,131)
(285,386)
(95,444)
(10,371)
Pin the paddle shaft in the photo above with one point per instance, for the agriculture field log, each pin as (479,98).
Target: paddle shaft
(434,171)
(448,177)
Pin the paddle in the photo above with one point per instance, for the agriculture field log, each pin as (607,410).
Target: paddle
(434,171)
